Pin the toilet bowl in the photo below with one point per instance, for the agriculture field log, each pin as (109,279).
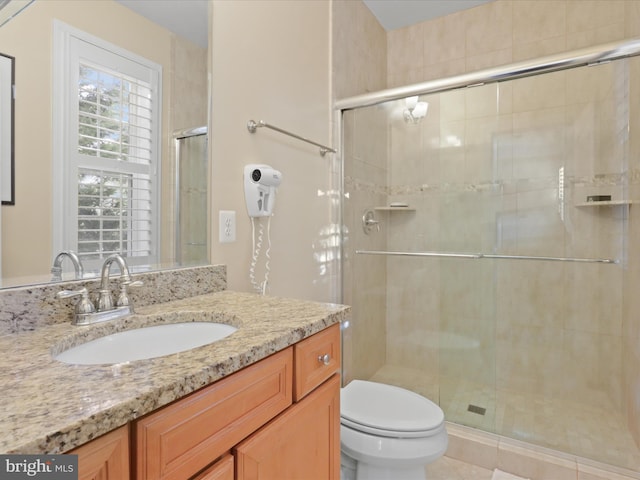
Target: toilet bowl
(388,433)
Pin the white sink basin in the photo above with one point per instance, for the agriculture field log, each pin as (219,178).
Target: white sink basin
(147,342)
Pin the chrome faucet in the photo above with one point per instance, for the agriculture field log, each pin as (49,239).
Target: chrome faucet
(86,314)
(105,301)
(56,270)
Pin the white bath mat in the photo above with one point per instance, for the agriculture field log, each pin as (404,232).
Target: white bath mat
(500,475)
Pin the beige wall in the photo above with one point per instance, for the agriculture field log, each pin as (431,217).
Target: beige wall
(271,61)
(26,227)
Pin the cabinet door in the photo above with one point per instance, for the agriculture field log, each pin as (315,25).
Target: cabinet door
(106,457)
(177,441)
(303,443)
(221,470)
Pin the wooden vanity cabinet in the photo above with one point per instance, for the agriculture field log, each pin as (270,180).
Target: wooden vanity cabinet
(278,419)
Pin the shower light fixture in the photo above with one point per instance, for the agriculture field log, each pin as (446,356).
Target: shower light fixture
(415,110)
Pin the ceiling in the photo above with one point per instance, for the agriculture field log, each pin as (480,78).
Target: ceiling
(394,14)
(189,18)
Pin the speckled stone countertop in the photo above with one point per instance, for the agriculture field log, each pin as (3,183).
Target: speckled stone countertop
(52,407)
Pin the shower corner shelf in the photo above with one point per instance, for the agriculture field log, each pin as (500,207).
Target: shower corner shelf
(608,203)
(395,209)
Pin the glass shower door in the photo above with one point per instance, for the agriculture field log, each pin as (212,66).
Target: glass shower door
(463,159)
(558,323)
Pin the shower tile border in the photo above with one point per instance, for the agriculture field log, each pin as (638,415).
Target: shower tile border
(490,451)
(500,186)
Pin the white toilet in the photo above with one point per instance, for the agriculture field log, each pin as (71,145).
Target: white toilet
(388,433)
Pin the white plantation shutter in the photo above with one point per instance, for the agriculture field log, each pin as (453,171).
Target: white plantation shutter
(114,214)
(110,184)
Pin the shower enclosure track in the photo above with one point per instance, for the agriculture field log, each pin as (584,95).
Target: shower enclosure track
(485,255)
(587,56)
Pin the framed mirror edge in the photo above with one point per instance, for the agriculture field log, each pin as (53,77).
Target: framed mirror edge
(7,126)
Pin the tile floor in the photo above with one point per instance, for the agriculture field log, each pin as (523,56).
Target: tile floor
(447,468)
(570,427)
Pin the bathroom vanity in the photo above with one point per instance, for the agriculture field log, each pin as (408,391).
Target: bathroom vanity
(260,403)
(279,418)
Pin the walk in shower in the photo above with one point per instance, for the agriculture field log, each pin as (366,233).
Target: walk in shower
(490,248)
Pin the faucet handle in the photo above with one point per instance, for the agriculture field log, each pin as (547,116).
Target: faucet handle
(123,298)
(83,305)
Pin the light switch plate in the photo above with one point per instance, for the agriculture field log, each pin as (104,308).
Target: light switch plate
(227,226)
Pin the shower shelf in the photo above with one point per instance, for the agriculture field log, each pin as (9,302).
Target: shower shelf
(393,209)
(608,203)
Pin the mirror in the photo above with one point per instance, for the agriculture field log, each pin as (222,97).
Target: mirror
(27,226)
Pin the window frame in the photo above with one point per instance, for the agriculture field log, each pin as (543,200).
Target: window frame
(68,43)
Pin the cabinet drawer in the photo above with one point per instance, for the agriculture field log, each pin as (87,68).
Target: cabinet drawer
(316,359)
(181,439)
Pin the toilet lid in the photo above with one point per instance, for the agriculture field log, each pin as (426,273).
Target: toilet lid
(377,406)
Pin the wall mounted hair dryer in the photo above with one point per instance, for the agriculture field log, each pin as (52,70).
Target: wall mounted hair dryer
(260,183)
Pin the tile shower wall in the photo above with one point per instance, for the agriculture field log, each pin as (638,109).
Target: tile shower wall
(359,62)
(631,304)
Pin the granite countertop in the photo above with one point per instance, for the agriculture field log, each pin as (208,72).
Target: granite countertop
(52,407)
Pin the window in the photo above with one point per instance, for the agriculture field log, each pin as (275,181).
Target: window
(107,160)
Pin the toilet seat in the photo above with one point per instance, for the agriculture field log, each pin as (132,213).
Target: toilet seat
(388,411)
